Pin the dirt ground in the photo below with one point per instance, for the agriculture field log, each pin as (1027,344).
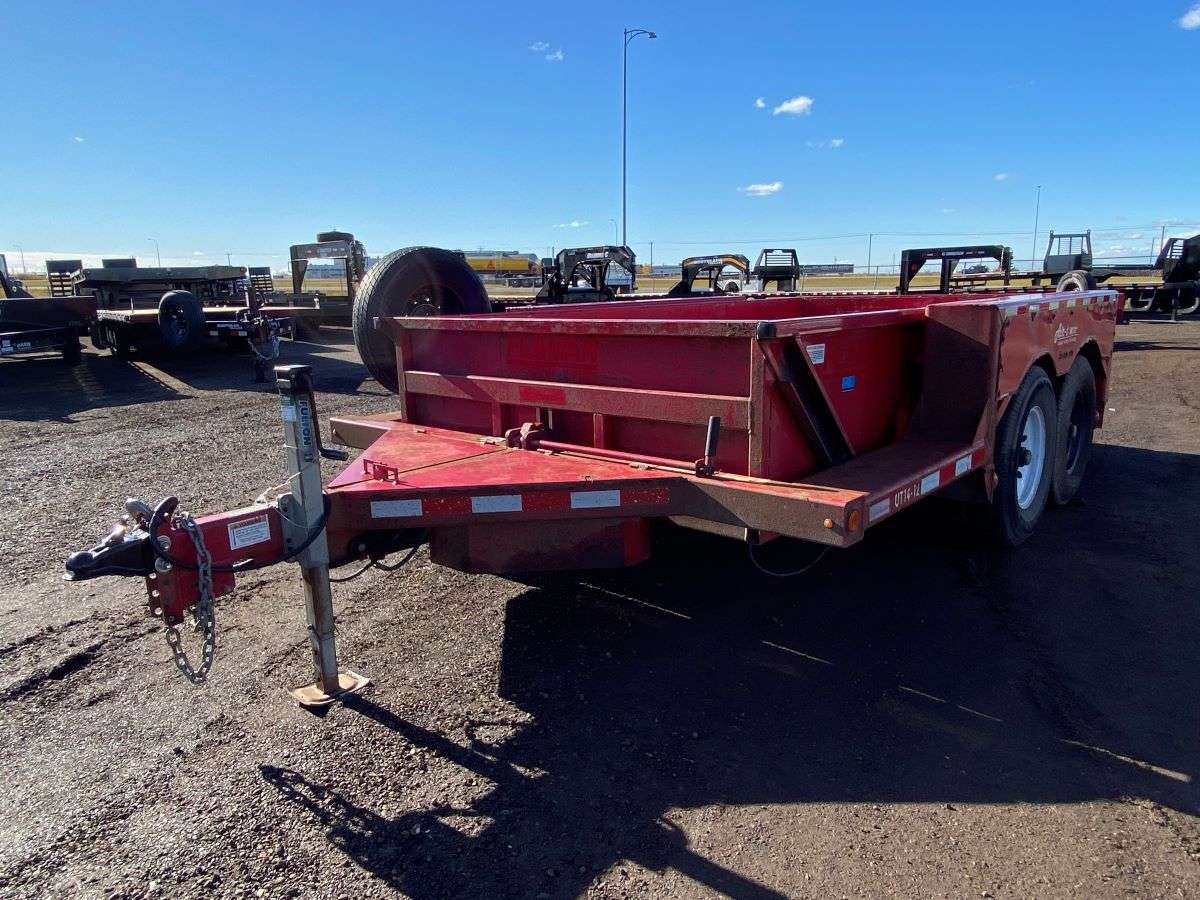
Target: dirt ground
(919,716)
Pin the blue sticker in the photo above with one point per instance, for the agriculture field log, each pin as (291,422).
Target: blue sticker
(847,382)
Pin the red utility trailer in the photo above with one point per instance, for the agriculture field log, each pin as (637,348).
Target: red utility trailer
(549,438)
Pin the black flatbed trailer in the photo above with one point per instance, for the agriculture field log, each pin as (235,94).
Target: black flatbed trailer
(173,307)
(34,325)
(1069,265)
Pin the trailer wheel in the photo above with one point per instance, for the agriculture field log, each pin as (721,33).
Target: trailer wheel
(1076,423)
(1025,458)
(180,319)
(1078,280)
(416,281)
(732,287)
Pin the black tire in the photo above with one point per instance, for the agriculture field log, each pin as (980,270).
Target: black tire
(416,281)
(1076,423)
(180,319)
(1016,510)
(334,236)
(72,353)
(1078,280)
(732,287)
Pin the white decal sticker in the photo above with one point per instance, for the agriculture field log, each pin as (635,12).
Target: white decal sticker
(930,482)
(594,499)
(502,503)
(288,411)
(879,510)
(1065,334)
(249,532)
(816,352)
(395,509)
(962,465)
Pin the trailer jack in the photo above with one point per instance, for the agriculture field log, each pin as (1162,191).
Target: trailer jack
(188,562)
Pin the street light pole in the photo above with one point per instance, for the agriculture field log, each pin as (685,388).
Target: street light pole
(1037,209)
(157,252)
(630,34)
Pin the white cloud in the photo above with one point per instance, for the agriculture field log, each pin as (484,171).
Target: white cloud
(836,142)
(762,190)
(539,46)
(1000,176)
(948,210)
(1190,20)
(797,106)
(77,139)
(831,144)
(556,56)
(760,103)
(574,223)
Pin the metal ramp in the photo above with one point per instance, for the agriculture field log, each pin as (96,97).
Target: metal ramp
(58,276)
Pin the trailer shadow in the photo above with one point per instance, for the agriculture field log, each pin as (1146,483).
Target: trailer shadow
(914,668)
(221,369)
(1124,346)
(43,388)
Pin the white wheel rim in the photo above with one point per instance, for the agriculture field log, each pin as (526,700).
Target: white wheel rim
(1033,457)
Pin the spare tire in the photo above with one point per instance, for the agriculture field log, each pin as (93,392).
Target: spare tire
(416,281)
(1078,280)
(180,319)
(334,236)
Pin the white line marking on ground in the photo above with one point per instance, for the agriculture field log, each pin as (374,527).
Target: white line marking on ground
(921,694)
(1141,764)
(823,662)
(661,609)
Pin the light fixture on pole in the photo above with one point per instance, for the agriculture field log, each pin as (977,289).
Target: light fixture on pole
(630,34)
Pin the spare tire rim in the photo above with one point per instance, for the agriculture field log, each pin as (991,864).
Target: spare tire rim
(421,302)
(177,322)
(1032,457)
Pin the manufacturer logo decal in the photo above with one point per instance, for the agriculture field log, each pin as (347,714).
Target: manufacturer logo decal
(1065,333)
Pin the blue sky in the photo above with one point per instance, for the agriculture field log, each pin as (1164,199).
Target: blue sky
(247,127)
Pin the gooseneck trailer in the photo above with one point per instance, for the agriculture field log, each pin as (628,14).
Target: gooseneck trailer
(550,438)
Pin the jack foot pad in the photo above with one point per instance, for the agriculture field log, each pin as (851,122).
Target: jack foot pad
(312,697)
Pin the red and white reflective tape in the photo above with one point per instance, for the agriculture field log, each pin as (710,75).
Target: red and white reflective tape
(905,495)
(530,501)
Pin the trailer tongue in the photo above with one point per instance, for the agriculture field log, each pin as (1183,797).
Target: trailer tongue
(550,438)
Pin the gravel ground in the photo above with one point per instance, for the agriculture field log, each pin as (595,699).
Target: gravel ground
(916,717)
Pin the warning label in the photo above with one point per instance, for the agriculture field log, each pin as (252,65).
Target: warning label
(249,532)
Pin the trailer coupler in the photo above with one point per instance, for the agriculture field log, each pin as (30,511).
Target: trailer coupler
(187,563)
(125,550)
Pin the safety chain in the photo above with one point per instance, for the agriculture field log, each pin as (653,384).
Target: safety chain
(203,617)
(272,341)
